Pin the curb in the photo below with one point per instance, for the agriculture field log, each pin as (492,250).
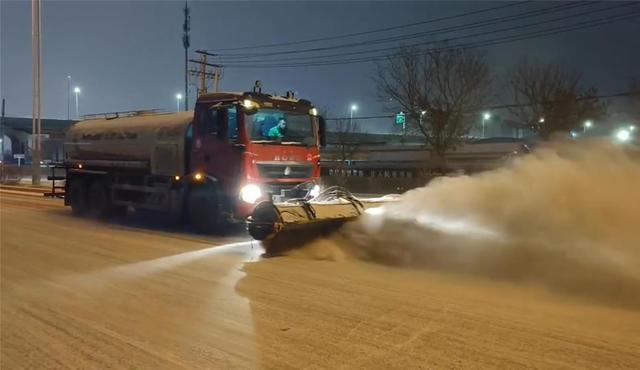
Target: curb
(25,189)
(22,193)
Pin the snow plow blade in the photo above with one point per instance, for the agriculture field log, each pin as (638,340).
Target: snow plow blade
(286,225)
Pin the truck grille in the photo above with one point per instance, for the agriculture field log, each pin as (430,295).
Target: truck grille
(280,189)
(282,192)
(285,171)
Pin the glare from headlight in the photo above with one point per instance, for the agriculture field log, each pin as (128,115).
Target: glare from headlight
(315,191)
(250,193)
(623,135)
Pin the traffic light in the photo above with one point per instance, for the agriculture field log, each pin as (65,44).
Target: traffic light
(400,118)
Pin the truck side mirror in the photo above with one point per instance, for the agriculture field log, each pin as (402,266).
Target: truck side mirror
(322,131)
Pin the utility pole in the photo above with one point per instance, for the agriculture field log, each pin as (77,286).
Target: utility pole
(2,134)
(36,49)
(203,74)
(216,78)
(186,42)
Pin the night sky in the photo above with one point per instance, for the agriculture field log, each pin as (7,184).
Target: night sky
(129,55)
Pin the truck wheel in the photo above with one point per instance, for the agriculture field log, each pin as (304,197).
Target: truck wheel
(78,196)
(98,199)
(204,210)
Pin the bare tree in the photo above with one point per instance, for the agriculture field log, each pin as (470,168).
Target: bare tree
(549,98)
(634,100)
(437,90)
(345,138)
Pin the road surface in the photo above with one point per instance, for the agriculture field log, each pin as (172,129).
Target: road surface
(86,294)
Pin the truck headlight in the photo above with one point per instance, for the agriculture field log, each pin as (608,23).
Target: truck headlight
(250,193)
(250,104)
(623,135)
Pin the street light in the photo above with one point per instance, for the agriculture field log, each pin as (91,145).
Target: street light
(77,91)
(541,120)
(485,116)
(353,109)
(587,125)
(178,98)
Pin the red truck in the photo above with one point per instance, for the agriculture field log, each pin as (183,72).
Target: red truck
(210,166)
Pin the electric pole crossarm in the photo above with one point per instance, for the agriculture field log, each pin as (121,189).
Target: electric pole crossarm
(204,52)
(205,63)
(198,74)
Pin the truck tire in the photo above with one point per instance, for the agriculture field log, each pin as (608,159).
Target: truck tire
(204,210)
(78,196)
(99,203)
(118,212)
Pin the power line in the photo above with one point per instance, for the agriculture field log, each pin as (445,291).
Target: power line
(385,29)
(586,24)
(404,47)
(475,44)
(506,106)
(491,21)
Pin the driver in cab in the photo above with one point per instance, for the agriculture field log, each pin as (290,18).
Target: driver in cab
(278,130)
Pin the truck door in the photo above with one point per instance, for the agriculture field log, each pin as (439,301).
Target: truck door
(215,151)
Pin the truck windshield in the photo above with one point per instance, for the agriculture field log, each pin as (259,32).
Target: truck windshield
(273,125)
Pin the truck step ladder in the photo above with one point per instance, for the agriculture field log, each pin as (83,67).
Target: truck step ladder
(57,190)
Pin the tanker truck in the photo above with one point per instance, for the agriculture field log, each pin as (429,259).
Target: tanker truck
(237,157)
(210,166)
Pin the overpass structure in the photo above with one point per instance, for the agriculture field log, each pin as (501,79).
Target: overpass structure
(412,159)
(18,138)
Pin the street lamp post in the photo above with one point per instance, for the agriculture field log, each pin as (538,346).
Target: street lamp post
(485,116)
(353,109)
(422,113)
(68,98)
(76,90)
(178,98)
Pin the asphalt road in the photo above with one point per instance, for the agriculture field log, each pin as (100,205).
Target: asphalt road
(87,294)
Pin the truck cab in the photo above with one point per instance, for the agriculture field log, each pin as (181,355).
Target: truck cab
(255,146)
